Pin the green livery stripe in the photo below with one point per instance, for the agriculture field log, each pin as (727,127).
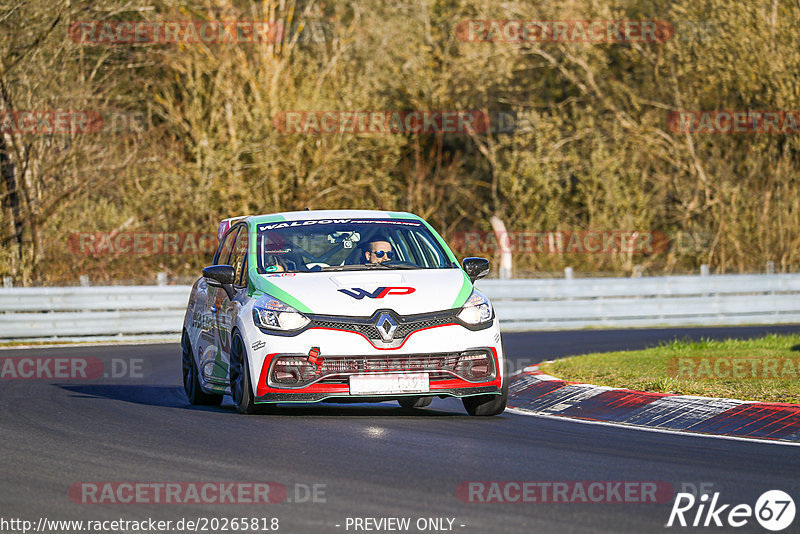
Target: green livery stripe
(252,259)
(400,215)
(268,219)
(466,291)
(261,285)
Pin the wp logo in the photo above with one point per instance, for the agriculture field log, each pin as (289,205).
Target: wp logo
(380,292)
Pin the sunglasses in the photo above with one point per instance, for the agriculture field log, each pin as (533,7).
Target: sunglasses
(381,253)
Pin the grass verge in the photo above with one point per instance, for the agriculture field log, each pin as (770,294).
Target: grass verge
(765,369)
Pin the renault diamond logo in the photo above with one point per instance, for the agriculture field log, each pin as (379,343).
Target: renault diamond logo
(386,327)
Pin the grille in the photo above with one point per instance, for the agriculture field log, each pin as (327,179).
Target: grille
(367,329)
(370,331)
(404,329)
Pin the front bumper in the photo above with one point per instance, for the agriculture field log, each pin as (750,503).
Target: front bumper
(426,345)
(298,396)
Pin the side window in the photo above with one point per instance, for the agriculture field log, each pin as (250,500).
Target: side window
(433,257)
(224,249)
(239,254)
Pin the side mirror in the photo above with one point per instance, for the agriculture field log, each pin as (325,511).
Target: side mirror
(221,276)
(476,268)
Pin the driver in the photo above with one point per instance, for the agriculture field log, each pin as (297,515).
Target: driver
(378,250)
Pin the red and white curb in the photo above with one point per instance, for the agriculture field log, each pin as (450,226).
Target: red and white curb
(534,392)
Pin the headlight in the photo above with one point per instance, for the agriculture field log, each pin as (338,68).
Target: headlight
(477,309)
(271,313)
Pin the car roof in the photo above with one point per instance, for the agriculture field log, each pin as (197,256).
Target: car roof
(330,214)
(226,224)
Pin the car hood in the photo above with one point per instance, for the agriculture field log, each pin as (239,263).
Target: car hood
(361,293)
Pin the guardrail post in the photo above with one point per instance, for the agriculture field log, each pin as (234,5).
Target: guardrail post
(161,279)
(506,259)
(704,270)
(569,274)
(84,278)
(770,267)
(8,282)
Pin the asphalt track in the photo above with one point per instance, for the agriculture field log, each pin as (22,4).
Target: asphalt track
(374,460)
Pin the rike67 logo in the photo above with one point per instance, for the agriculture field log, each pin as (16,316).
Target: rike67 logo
(774,510)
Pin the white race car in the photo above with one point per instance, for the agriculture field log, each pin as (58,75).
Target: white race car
(340,306)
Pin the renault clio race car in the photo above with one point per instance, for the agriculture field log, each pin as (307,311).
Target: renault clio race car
(340,306)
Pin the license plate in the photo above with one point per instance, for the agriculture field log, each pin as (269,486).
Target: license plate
(389,383)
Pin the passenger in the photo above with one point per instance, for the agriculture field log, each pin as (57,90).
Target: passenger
(273,264)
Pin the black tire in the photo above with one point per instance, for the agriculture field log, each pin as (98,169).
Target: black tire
(415,402)
(486,405)
(191,380)
(241,389)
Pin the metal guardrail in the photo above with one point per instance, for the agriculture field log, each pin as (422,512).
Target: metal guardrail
(521,304)
(645,302)
(48,312)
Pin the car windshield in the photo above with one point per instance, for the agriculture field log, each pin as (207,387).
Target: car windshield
(348,245)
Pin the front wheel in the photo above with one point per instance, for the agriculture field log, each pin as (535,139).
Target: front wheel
(483,405)
(241,388)
(191,378)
